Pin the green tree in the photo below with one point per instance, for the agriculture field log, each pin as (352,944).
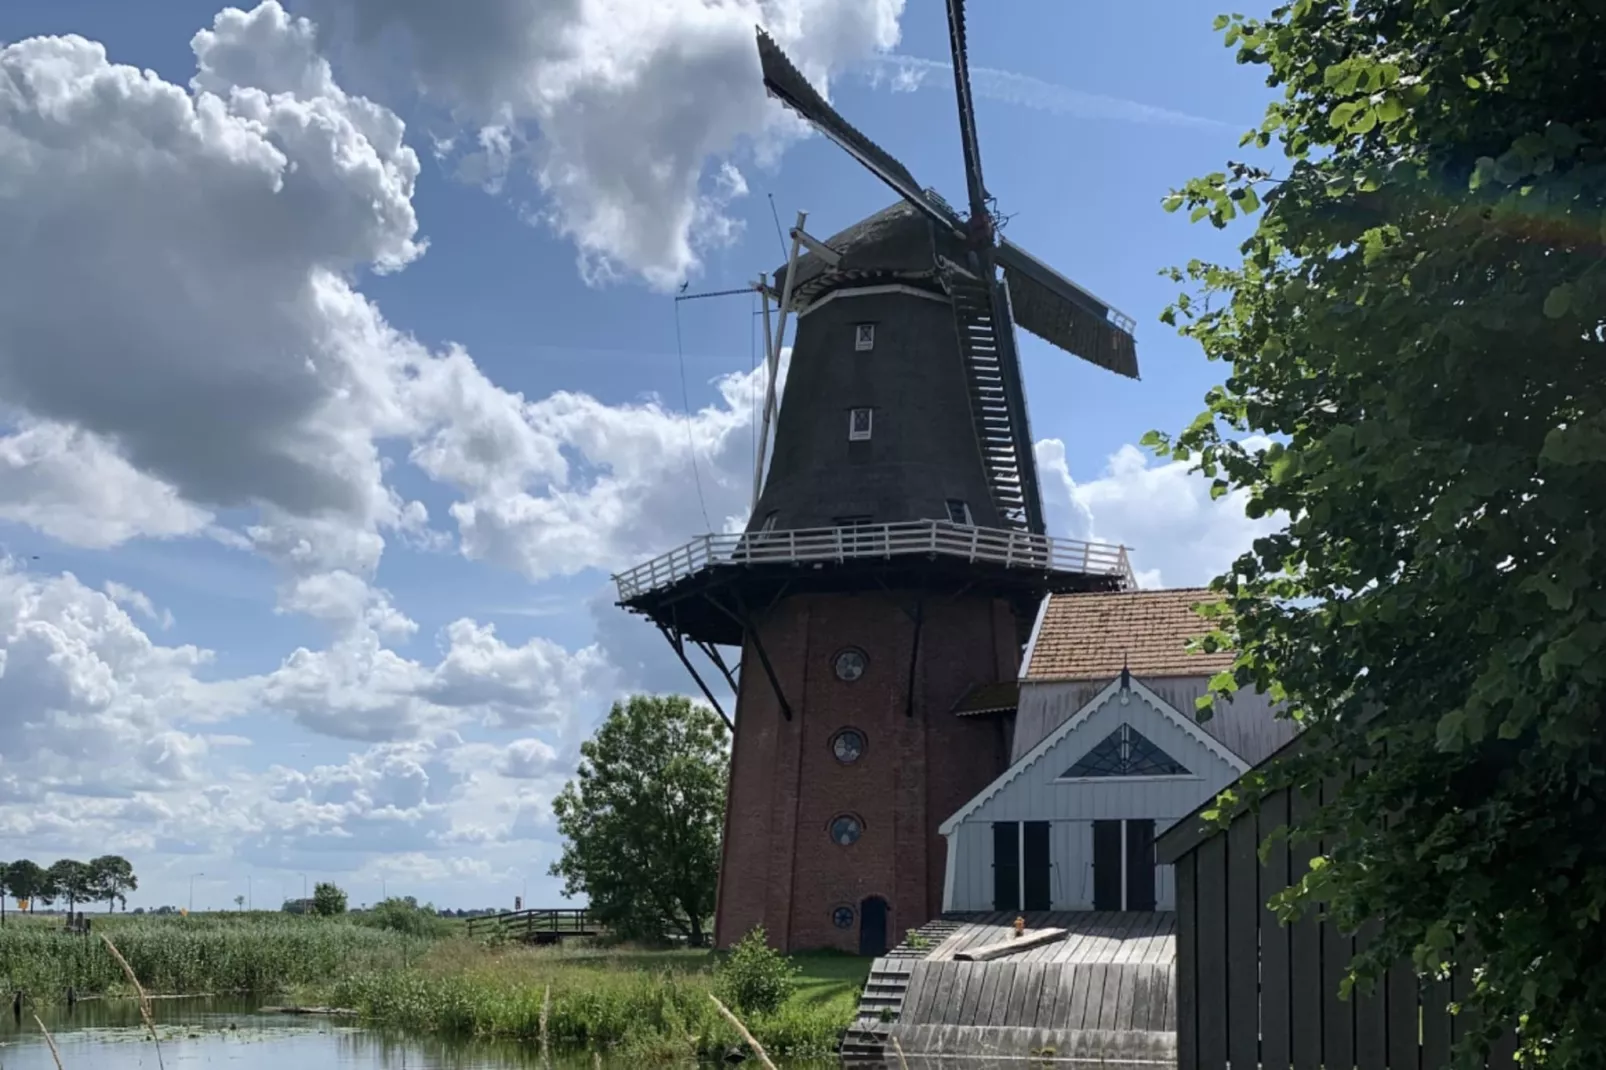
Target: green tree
(112,878)
(27,881)
(404,915)
(328,900)
(72,880)
(642,818)
(1416,325)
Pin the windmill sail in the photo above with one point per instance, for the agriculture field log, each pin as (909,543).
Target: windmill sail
(1063,314)
(974,186)
(787,83)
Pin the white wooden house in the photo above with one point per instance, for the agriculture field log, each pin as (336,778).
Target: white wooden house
(1106,755)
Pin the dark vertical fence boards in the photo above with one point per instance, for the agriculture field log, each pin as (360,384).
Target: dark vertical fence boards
(1435,1025)
(1305,943)
(1243,944)
(1211,888)
(1187,963)
(1338,1015)
(1276,993)
(1254,994)
(1371,1014)
(1403,1022)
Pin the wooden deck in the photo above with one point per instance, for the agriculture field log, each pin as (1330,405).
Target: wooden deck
(1106,992)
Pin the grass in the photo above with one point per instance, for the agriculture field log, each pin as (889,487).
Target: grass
(651,1006)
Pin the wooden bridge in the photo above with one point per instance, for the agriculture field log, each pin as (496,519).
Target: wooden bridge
(537,926)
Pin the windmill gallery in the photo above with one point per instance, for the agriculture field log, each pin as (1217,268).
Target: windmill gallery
(896,758)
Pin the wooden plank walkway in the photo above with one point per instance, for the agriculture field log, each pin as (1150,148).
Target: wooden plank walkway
(1107,991)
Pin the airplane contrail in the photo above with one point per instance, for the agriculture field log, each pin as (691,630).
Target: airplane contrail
(908,73)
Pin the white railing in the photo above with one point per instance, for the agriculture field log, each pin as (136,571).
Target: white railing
(941,538)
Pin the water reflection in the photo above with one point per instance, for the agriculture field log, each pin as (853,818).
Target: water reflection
(108,1035)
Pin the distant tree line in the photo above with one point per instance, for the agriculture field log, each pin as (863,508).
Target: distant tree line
(107,879)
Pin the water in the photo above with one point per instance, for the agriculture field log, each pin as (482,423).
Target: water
(234,1034)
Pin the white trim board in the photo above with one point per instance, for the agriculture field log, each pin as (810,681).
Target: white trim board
(1075,721)
(1031,642)
(868,291)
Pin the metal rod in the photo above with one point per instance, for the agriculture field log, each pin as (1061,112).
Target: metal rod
(713,293)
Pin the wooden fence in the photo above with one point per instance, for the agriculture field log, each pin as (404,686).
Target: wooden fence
(539,925)
(1252,992)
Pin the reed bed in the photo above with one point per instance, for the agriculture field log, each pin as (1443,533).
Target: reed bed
(193,955)
(654,1007)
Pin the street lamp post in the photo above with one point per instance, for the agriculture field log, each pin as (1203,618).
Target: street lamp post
(303,877)
(191,909)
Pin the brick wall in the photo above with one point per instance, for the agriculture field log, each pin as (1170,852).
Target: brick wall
(781,869)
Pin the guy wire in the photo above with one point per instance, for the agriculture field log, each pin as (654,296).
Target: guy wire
(691,441)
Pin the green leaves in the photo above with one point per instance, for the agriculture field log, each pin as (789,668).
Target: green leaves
(1416,323)
(641,821)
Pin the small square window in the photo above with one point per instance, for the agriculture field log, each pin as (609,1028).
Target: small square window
(858,424)
(769,521)
(864,337)
(959,512)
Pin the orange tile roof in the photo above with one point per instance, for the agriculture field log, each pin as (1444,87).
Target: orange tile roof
(1090,636)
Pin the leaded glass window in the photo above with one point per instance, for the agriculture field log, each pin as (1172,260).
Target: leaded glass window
(1125,752)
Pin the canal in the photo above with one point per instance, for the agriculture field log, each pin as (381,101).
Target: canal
(235,1034)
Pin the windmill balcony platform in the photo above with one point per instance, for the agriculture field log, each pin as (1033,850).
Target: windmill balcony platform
(706,588)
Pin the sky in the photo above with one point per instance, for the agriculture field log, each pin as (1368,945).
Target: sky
(340,369)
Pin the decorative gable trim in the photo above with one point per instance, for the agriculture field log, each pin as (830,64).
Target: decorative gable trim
(1138,748)
(1112,692)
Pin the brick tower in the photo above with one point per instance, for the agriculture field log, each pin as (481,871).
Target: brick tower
(893,561)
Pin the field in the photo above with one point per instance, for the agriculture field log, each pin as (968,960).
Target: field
(653,1005)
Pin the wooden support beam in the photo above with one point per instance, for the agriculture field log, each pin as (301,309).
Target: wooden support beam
(914,659)
(763,658)
(678,645)
(1024,942)
(714,656)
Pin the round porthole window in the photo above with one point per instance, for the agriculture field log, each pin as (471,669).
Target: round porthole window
(847,746)
(846,830)
(849,665)
(842,917)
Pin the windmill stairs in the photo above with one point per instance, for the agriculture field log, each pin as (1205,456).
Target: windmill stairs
(884,989)
(988,374)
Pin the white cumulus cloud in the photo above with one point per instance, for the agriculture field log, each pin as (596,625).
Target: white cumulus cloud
(628,114)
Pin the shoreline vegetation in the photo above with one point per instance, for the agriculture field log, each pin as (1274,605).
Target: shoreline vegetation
(653,1006)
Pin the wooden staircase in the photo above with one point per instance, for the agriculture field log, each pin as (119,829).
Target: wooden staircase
(882,999)
(996,400)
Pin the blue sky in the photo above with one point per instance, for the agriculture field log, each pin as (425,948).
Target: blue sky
(321,734)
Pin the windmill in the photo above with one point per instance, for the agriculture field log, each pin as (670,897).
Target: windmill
(1032,294)
(894,559)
